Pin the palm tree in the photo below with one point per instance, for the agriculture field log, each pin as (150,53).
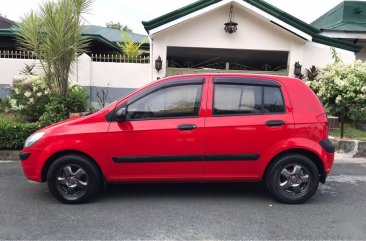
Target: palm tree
(129,47)
(54,36)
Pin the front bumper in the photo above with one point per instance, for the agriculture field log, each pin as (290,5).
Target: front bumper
(32,161)
(24,155)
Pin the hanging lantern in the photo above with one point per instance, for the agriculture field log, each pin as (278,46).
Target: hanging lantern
(231,26)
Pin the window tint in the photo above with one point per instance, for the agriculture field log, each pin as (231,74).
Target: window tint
(177,101)
(273,101)
(236,99)
(247,99)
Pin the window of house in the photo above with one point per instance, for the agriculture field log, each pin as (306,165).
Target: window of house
(171,102)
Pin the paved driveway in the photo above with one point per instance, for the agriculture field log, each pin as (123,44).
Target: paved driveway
(185,211)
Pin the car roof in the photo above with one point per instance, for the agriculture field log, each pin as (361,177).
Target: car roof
(240,75)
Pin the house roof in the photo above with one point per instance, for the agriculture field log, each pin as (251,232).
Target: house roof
(261,5)
(105,36)
(113,35)
(6,23)
(348,16)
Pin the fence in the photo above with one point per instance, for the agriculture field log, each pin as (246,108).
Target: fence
(119,58)
(110,58)
(15,54)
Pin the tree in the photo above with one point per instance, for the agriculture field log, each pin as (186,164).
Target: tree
(130,47)
(342,88)
(54,36)
(118,26)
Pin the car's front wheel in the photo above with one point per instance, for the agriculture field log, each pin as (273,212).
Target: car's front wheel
(292,179)
(73,179)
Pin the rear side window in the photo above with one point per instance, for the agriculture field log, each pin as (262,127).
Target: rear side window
(237,99)
(273,100)
(233,99)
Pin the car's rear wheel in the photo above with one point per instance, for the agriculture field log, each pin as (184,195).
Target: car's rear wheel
(292,179)
(73,179)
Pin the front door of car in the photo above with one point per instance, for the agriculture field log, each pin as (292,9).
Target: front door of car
(249,117)
(161,137)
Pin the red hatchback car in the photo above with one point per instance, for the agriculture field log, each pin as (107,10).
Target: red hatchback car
(204,127)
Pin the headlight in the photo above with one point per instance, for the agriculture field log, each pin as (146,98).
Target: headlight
(33,139)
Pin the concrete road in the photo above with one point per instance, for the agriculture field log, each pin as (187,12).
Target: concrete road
(185,211)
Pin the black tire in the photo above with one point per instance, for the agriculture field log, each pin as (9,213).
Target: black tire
(74,179)
(286,179)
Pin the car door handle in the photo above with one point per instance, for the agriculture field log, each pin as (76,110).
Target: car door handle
(187,127)
(273,123)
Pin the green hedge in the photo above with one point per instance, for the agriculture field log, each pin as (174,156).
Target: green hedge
(13,134)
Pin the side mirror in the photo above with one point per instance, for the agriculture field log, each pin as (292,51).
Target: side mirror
(121,114)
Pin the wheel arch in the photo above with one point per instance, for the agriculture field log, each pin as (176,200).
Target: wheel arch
(58,154)
(309,154)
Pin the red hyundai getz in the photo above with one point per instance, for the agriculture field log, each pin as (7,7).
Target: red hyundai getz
(204,127)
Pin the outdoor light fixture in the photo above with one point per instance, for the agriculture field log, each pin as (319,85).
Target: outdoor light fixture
(158,64)
(297,70)
(231,26)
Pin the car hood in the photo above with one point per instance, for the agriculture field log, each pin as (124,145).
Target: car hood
(63,123)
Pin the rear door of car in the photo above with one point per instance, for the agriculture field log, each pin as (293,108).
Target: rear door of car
(247,116)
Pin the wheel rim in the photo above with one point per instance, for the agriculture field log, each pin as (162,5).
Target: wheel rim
(294,179)
(72,181)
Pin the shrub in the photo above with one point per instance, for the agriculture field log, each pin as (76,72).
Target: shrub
(342,88)
(28,96)
(13,134)
(77,100)
(5,105)
(55,111)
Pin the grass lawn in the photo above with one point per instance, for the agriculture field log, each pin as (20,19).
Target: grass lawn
(350,132)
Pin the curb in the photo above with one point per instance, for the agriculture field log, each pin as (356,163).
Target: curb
(9,155)
(350,148)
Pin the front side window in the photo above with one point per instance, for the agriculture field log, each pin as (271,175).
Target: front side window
(235,99)
(171,102)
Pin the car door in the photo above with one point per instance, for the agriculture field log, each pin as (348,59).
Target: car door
(162,135)
(248,116)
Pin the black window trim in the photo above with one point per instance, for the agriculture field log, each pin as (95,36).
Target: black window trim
(158,87)
(249,82)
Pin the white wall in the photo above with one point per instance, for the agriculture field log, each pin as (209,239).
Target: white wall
(11,67)
(86,72)
(320,55)
(114,75)
(120,78)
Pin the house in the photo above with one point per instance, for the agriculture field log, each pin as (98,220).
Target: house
(6,23)
(267,40)
(346,22)
(102,40)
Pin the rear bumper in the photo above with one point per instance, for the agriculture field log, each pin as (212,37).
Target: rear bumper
(327,151)
(327,145)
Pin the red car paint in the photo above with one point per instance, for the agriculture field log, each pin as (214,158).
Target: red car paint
(214,136)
